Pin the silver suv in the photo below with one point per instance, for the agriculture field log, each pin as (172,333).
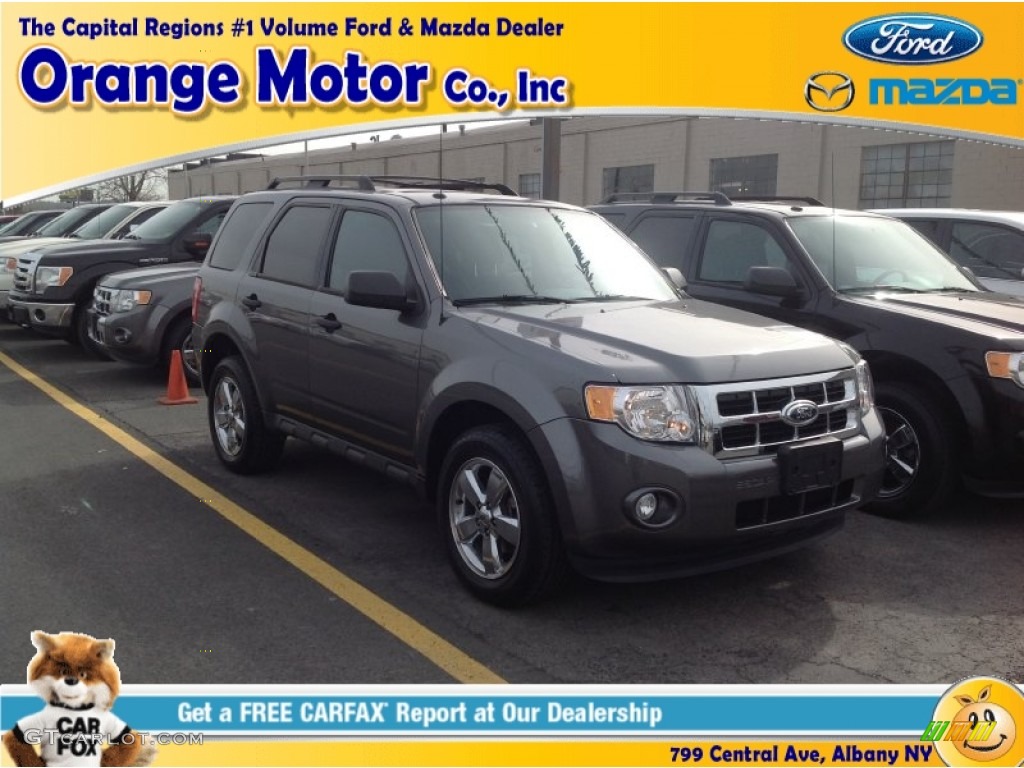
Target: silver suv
(989,243)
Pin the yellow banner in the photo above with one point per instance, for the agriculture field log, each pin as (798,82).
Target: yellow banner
(567,753)
(91,90)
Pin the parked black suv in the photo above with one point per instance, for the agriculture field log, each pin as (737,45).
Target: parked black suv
(53,287)
(533,373)
(946,355)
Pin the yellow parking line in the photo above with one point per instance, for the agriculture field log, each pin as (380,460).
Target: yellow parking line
(438,650)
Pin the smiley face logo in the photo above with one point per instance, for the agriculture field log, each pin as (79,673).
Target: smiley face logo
(996,735)
(982,717)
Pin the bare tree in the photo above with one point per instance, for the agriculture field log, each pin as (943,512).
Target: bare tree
(147,185)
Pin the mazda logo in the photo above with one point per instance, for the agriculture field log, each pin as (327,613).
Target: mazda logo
(829,91)
(799,413)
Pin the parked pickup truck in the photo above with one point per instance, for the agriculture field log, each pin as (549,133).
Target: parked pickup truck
(54,287)
(142,315)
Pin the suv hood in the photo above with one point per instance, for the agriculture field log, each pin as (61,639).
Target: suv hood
(152,276)
(691,342)
(982,312)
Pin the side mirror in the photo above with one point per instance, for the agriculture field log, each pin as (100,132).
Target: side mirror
(197,244)
(771,281)
(676,277)
(381,290)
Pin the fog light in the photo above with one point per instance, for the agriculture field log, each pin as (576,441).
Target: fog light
(646,506)
(122,335)
(39,315)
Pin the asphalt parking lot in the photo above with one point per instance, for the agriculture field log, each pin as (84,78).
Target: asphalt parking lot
(96,540)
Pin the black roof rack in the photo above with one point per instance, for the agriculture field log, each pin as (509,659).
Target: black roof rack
(667,197)
(796,200)
(371,183)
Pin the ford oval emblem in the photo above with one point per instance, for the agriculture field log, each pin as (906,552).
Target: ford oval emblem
(799,413)
(913,39)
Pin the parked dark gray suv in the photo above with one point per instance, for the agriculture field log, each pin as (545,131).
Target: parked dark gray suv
(534,374)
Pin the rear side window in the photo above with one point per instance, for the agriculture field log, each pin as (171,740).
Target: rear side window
(664,238)
(366,241)
(989,250)
(240,231)
(293,248)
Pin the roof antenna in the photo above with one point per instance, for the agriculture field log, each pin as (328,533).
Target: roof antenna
(440,211)
(835,284)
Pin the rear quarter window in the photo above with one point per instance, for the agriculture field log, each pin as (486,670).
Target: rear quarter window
(238,234)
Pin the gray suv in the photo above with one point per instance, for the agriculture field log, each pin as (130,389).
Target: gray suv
(533,373)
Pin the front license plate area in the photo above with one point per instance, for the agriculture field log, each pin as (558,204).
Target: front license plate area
(810,466)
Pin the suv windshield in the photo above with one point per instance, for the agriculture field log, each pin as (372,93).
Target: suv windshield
(67,222)
(864,253)
(497,252)
(100,224)
(167,223)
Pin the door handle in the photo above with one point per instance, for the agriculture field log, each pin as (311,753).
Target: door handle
(329,323)
(252,302)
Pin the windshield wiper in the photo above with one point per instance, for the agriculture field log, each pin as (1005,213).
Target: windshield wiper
(877,288)
(512,298)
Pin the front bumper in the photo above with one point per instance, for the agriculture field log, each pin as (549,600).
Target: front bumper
(995,464)
(729,511)
(48,318)
(131,337)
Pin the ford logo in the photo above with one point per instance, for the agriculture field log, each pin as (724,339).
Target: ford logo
(799,413)
(913,39)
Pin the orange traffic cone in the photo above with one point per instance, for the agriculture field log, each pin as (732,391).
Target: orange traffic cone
(177,387)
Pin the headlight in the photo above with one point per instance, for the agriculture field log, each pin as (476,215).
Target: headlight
(1006,365)
(11,264)
(660,413)
(125,301)
(865,387)
(48,277)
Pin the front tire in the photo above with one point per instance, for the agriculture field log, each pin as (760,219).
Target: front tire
(497,519)
(921,468)
(243,442)
(179,337)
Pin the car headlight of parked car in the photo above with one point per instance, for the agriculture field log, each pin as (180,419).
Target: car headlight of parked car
(1006,365)
(49,277)
(865,387)
(125,301)
(660,413)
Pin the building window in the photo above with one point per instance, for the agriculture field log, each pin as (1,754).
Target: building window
(751,175)
(629,178)
(907,175)
(529,184)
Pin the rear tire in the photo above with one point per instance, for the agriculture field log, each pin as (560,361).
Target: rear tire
(497,519)
(179,337)
(243,442)
(921,467)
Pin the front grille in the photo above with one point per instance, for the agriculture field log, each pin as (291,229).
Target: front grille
(101,300)
(23,275)
(776,509)
(745,419)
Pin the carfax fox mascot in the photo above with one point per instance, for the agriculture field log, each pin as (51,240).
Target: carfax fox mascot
(77,678)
